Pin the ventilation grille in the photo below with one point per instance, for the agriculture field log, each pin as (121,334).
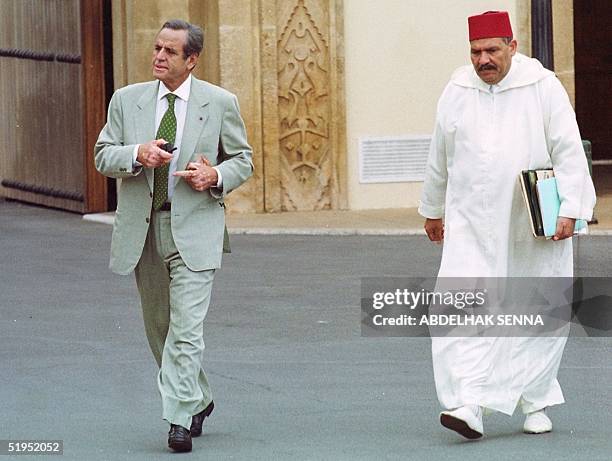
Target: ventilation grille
(393,159)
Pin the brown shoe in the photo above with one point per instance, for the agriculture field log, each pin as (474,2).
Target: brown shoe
(198,420)
(179,439)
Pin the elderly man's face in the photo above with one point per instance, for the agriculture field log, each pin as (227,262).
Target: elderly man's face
(169,63)
(491,58)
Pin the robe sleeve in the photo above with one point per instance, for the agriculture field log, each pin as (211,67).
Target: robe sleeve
(574,182)
(433,195)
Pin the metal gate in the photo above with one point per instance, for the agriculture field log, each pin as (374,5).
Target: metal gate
(52,101)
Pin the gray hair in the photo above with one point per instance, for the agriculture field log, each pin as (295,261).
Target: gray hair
(195,35)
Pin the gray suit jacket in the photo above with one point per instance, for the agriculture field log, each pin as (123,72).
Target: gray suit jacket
(214,128)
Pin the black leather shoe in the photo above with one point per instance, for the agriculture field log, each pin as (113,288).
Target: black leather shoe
(179,438)
(198,420)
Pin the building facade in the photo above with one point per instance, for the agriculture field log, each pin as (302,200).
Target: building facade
(338,96)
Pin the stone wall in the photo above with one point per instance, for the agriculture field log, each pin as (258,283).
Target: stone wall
(285,60)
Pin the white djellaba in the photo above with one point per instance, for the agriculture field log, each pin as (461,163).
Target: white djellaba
(484,136)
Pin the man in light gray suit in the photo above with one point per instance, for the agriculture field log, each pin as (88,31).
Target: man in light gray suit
(169,224)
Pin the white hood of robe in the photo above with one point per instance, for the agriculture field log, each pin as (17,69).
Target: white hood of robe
(523,71)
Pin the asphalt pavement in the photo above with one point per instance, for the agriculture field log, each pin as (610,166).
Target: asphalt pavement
(292,377)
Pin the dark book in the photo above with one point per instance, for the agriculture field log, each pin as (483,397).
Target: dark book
(529,179)
(540,192)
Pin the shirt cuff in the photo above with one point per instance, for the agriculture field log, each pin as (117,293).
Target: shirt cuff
(135,163)
(219,178)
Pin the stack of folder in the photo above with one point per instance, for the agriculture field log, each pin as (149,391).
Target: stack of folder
(539,189)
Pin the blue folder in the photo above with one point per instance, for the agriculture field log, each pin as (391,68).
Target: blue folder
(548,196)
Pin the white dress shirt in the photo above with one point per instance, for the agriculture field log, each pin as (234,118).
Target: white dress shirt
(180,111)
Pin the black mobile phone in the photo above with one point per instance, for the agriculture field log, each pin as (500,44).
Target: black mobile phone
(168,147)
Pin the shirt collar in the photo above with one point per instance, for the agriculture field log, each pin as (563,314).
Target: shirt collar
(181,92)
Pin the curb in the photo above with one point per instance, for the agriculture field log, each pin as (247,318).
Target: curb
(321,231)
(101,218)
(109,218)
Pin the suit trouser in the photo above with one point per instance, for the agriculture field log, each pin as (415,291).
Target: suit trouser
(174,303)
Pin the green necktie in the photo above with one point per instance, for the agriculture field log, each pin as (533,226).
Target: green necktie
(166,131)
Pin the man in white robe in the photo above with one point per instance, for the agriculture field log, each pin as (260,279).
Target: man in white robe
(503,114)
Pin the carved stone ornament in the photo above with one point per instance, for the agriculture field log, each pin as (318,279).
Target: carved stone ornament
(304,112)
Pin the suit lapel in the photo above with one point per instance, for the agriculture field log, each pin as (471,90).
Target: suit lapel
(145,120)
(195,120)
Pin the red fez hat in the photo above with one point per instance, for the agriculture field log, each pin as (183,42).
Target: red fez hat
(489,25)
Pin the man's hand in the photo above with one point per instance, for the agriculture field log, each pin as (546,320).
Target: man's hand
(151,156)
(565,228)
(199,174)
(434,229)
